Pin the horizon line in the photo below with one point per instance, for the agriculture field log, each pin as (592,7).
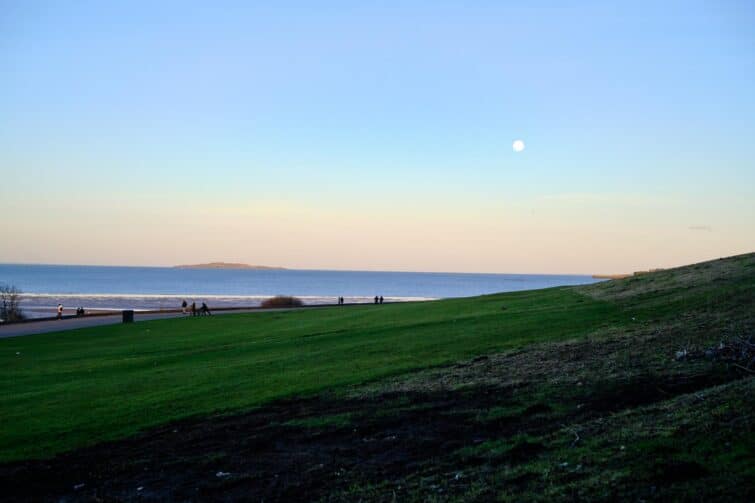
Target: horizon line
(284,268)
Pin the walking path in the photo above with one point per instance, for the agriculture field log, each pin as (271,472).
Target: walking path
(43,326)
(71,323)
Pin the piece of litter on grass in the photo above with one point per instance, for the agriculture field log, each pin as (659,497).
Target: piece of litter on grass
(139,488)
(18,353)
(78,486)
(222,474)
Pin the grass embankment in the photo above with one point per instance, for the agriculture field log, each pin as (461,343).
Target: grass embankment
(65,390)
(567,394)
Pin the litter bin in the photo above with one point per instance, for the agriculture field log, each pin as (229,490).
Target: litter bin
(128,316)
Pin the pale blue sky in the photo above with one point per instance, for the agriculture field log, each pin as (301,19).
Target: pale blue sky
(139,113)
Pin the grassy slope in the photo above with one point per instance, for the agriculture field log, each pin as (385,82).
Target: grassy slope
(75,388)
(80,387)
(586,401)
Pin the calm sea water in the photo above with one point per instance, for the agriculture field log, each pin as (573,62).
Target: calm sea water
(142,288)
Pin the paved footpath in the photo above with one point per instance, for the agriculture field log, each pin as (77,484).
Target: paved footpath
(43,326)
(40,327)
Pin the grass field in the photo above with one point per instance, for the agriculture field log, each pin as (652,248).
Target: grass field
(557,394)
(69,389)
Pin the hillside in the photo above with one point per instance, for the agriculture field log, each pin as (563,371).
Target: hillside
(638,388)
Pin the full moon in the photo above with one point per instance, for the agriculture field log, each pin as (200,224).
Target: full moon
(518,145)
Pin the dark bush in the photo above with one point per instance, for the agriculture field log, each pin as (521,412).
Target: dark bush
(282,301)
(10,297)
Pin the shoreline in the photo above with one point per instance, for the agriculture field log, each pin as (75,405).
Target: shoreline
(40,306)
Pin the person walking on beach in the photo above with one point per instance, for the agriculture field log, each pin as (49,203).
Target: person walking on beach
(183,306)
(60,311)
(204,309)
(376,299)
(381,299)
(193,308)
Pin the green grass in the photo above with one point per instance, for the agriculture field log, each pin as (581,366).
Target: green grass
(75,388)
(70,389)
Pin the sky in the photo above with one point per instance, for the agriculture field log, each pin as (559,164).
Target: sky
(378,135)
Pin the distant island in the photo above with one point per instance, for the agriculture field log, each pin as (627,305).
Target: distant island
(227,265)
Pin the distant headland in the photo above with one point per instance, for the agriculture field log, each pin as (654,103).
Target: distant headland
(622,276)
(227,265)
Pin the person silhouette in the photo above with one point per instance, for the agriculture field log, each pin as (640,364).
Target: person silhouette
(204,309)
(183,306)
(60,311)
(377,299)
(193,308)
(381,299)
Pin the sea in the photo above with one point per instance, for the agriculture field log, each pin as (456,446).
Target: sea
(105,288)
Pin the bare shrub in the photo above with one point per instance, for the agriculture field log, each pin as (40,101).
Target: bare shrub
(282,301)
(10,298)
